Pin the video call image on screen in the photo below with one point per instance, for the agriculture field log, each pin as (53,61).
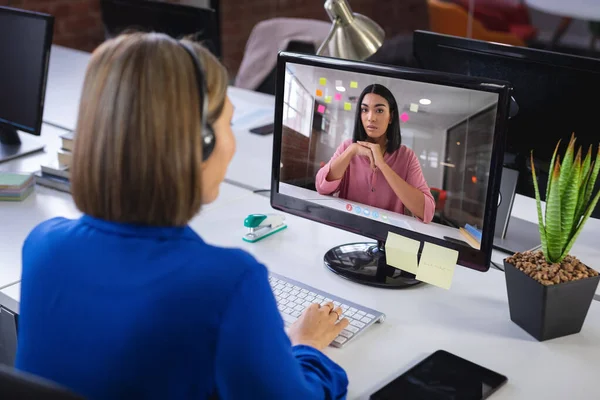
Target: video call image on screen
(440,169)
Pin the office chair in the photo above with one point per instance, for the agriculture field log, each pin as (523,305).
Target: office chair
(17,385)
(175,20)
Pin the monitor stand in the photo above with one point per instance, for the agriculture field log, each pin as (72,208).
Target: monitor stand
(13,145)
(512,235)
(365,263)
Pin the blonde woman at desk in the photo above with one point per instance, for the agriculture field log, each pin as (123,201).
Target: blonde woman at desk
(374,167)
(128,302)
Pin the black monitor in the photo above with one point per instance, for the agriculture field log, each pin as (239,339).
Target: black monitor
(557,95)
(25,40)
(176,20)
(452,133)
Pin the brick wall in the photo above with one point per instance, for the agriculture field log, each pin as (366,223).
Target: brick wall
(78,22)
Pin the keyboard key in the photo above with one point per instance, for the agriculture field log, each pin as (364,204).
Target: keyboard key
(337,303)
(370,316)
(346,333)
(366,320)
(301,308)
(357,323)
(304,291)
(290,319)
(353,309)
(296,314)
(361,313)
(352,329)
(288,310)
(340,340)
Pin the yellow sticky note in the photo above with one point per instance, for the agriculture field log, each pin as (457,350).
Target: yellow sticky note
(401,252)
(327,99)
(322,81)
(353,84)
(347,106)
(437,264)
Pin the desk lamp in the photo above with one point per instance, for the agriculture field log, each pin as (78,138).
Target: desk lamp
(352,36)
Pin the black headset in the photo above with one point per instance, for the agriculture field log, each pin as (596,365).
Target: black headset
(208,134)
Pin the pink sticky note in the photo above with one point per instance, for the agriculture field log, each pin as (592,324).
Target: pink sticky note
(338,96)
(404,117)
(321,108)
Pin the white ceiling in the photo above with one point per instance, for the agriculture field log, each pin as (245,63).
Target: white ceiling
(449,105)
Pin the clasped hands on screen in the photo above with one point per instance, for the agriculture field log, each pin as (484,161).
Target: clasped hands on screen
(372,151)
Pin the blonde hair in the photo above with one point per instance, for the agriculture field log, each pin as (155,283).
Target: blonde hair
(137,156)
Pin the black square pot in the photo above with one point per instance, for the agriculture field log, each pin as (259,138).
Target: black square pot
(548,312)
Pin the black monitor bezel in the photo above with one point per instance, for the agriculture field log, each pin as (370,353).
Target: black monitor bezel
(41,92)
(429,41)
(468,257)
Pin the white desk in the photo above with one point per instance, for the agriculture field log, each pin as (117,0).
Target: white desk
(66,73)
(582,9)
(471,319)
(50,137)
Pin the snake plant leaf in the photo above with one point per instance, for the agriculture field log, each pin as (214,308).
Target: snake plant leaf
(566,166)
(538,202)
(585,174)
(592,181)
(579,228)
(553,222)
(551,169)
(569,200)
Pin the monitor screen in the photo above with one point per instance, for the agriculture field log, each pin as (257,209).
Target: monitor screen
(435,177)
(25,39)
(553,92)
(201,22)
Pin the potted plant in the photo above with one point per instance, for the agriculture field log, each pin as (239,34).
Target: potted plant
(550,291)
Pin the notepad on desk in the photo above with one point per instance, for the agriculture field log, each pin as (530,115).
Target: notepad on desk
(15,187)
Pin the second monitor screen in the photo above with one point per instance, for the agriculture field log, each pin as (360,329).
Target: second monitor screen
(411,154)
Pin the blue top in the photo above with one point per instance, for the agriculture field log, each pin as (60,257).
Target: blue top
(120,311)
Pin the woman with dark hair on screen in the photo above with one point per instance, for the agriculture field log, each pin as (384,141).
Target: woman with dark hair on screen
(374,167)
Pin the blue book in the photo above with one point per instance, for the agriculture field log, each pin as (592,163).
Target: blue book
(476,233)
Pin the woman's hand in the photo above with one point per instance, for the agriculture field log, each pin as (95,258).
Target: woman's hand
(376,153)
(317,326)
(362,151)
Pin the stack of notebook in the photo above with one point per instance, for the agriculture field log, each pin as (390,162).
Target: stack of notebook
(15,187)
(55,174)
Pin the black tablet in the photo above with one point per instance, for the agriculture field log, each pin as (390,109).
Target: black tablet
(443,376)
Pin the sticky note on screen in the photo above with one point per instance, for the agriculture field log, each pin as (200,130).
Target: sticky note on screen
(347,106)
(327,99)
(401,252)
(437,265)
(319,93)
(353,84)
(322,81)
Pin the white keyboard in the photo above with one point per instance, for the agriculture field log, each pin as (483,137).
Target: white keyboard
(293,297)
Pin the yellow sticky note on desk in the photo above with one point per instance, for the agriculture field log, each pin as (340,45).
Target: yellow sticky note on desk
(437,264)
(401,252)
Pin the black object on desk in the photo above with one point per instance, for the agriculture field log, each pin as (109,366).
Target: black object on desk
(443,376)
(263,130)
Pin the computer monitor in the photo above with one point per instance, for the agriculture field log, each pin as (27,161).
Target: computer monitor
(556,96)
(25,40)
(176,20)
(446,173)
